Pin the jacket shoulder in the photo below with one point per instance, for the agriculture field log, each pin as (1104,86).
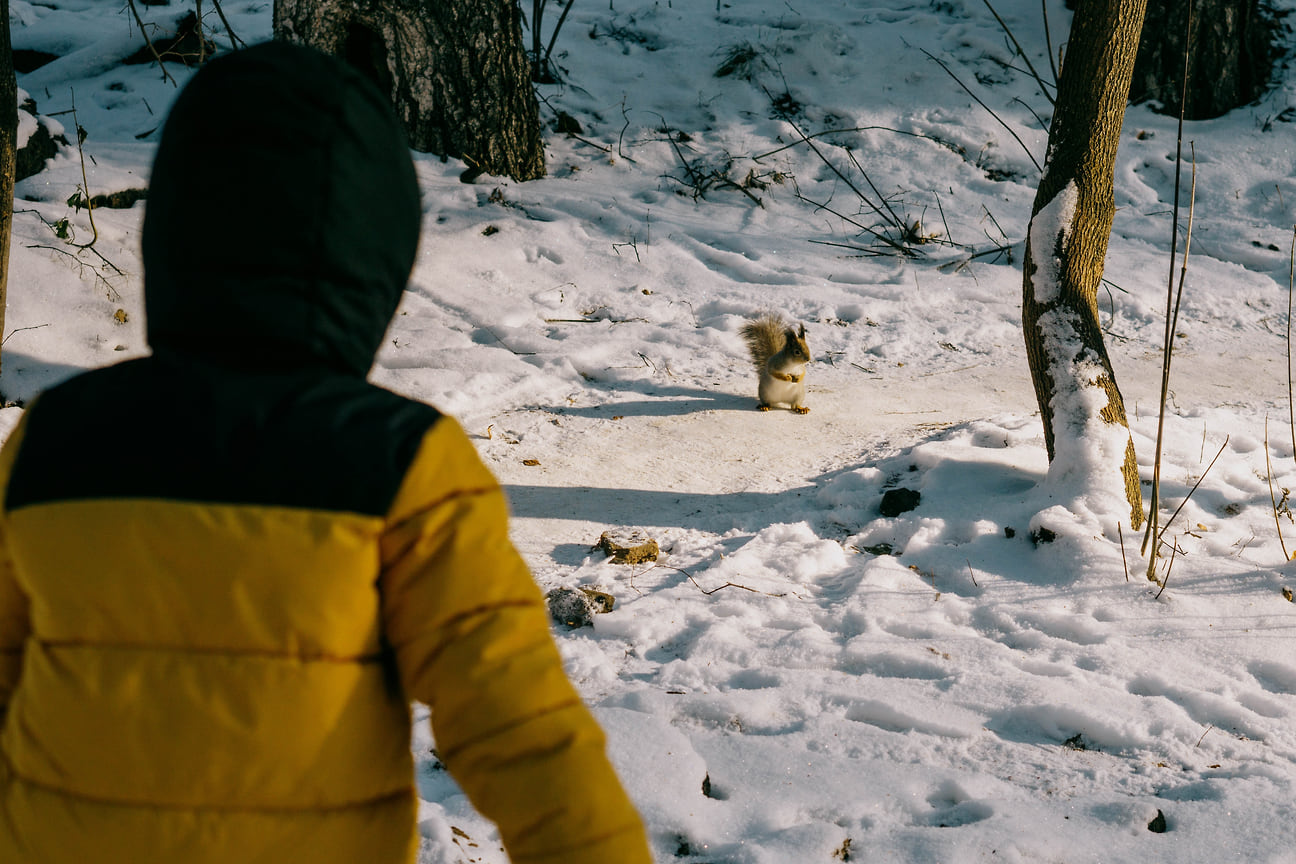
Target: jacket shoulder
(142,429)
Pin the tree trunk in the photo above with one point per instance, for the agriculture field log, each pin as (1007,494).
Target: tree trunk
(1085,427)
(8,151)
(456,70)
(1231,56)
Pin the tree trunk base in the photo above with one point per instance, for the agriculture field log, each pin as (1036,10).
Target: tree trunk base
(456,72)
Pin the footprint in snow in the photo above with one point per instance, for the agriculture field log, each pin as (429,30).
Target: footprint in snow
(1207,709)
(952,807)
(1274,676)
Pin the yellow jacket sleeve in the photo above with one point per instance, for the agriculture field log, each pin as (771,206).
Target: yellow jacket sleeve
(471,638)
(14,628)
(15,625)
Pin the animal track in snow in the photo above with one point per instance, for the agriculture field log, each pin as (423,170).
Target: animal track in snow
(1204,708)
(1274,676)
(534,255)
(953,807)
(753,679)
(894,665)
(892,719)
(1067,626)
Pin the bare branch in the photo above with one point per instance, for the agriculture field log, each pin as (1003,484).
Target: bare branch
(166,76)
(1038,80)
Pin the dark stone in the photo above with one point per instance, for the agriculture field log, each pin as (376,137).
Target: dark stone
(570,608)
(576,607)
(633,549)
(897,501)
(26,60)
(1158,824)
(123,200)
(568,125)
(1042,535)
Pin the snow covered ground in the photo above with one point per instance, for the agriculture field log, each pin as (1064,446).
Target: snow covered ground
(800,678)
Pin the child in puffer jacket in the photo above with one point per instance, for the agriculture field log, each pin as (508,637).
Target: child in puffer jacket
(226,569)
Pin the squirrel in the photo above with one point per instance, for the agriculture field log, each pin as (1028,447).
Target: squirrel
(780,355)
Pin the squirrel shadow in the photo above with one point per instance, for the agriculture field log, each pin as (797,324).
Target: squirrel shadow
(660,402)
(633,507)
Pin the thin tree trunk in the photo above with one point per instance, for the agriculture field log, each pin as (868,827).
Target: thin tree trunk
(8,151)
(1066,245)
(456,71)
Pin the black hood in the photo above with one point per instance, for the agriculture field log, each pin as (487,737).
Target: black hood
(282,217)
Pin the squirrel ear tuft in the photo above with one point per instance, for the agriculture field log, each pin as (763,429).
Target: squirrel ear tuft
(801,334)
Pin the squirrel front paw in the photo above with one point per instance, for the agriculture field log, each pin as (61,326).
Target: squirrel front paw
(800,409)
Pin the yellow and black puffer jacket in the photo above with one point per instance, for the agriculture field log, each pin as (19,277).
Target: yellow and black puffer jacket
(226,569)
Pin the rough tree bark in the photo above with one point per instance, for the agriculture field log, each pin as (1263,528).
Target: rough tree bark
(457,72)
(1066,246)
(1231,56)
(8,151)
(1232,50)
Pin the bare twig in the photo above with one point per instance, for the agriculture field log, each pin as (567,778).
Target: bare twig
(21,329)
(1174,515)
(1272,499)
(714,590)
(229,31)
(894,219)
(632,243)
(85,183)
(625,115)
(958,264)
(1172,304)
(202,43)
(888,215)
(1048,40)
(806,139)
(991,111)
(592,144)
(869,251)
(554,38)
(1174,551)
(944,221)
(899,247)
(835,169)
(1038,119)
(995,222)
(1291,278)
(700,183)
(1124,560)
(1007,30)
(166,76)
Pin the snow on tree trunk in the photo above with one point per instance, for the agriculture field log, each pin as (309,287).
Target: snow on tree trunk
(456,70)
(1092,466)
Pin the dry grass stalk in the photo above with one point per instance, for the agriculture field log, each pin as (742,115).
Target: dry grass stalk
(1173,298)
